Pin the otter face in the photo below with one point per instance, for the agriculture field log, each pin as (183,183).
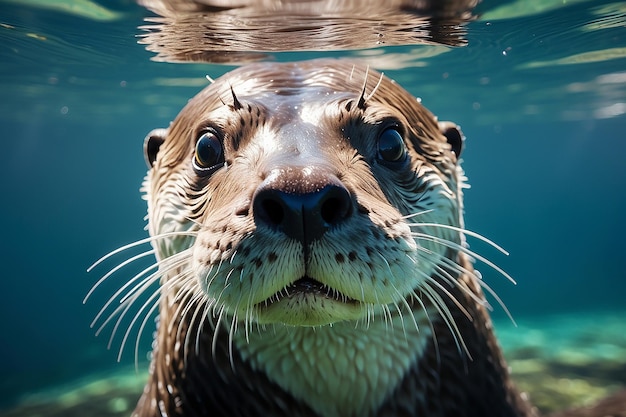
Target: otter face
(304,194)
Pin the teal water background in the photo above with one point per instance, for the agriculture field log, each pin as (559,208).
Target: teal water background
(541,97)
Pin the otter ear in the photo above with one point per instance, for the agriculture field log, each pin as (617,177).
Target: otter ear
(453,134)
(151,145)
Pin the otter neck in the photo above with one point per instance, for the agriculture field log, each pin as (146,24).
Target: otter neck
(341,369)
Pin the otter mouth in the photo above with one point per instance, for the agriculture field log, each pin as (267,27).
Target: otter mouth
(305,287)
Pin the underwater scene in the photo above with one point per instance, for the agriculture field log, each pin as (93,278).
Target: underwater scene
(538,88)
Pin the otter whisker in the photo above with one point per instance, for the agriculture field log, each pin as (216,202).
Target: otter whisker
(140,332)
(380,80)
(189,304)
(185,324)
(124,287)
(437,260)
(199,225)
(382,306)
(416,214)
(440,305)
(248,315)
(400,315)
(218,325)
(444,312)
(401,296)
(205,279)
(164,266)
(387,316)
(199,308)
(434,259)
(184,328)
(371,312)
(226,285)
(231,334)
(491,292)
(461,270)
(453,245)
(363,98)
(133,294)
(140,242)
(441,261)
(205,315)
(114,270)
(415,297)
(210,280)
(190,285)
(426,255)
(453,282)
(182,298)
(150,301)
(460,306)
(125,307)
(410,310)
(449,279)
(361,101)
(367,322)
(139,288)
(463,231)
(200,305)
(364,321)
(230,272)
(445,276)
(165,289)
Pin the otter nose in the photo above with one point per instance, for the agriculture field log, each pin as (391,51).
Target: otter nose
(301,214)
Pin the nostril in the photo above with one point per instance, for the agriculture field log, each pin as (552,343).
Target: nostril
(336,206)
(268,207)
(273,211)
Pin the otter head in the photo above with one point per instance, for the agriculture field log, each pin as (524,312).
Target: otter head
(304,194)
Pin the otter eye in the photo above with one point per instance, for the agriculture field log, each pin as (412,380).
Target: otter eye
(209,152)
(391,145)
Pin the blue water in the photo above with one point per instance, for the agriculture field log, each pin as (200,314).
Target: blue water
(545,154)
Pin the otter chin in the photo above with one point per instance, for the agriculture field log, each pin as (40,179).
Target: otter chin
(307,302)
(311,255)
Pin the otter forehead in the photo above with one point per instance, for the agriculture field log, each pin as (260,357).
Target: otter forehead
(304,109)
(281,86)
(303,133)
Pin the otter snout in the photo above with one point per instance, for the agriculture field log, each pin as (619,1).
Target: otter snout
(301,202)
